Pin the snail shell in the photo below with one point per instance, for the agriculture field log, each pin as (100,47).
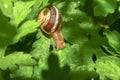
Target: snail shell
(50,19)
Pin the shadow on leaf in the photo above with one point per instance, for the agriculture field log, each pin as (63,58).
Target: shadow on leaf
(55,72)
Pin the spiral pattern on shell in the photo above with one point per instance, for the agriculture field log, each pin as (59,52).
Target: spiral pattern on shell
(50,19)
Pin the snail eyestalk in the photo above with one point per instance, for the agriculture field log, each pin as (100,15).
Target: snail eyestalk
(50,19)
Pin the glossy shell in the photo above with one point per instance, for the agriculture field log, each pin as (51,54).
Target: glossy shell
(50,19)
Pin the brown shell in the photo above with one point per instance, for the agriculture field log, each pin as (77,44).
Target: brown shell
(50,19)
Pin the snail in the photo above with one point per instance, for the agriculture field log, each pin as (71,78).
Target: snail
(51,19)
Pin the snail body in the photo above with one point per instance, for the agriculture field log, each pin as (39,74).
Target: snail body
(50,19)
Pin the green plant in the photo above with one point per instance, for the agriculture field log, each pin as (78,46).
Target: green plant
(91,29)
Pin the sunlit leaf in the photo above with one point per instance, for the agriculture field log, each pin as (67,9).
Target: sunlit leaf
(113,39)
(119,9)
(104,7)
(6,7)
(91,52)
(27,28)
(23,71)
(18,58)
(38,5)
(20,11)
(108,67)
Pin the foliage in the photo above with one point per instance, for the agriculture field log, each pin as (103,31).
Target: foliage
(91,29)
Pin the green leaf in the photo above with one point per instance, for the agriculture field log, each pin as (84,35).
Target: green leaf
(69,55)
(41,51)
(6,7)
(41,46)
(87,6)
(38,5)
(54,71)
(83,75)
(17,58)
(87,50)
(75,57)
(113,39)
(7,31)
(119,9)
(2,51)
(70,11)
(23,71)
(20,11)
(1,75)
(109,67)
(42,65)
(104,7)
(80,30)
(73,29)
(75,23)
(25,29)
(82,50)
